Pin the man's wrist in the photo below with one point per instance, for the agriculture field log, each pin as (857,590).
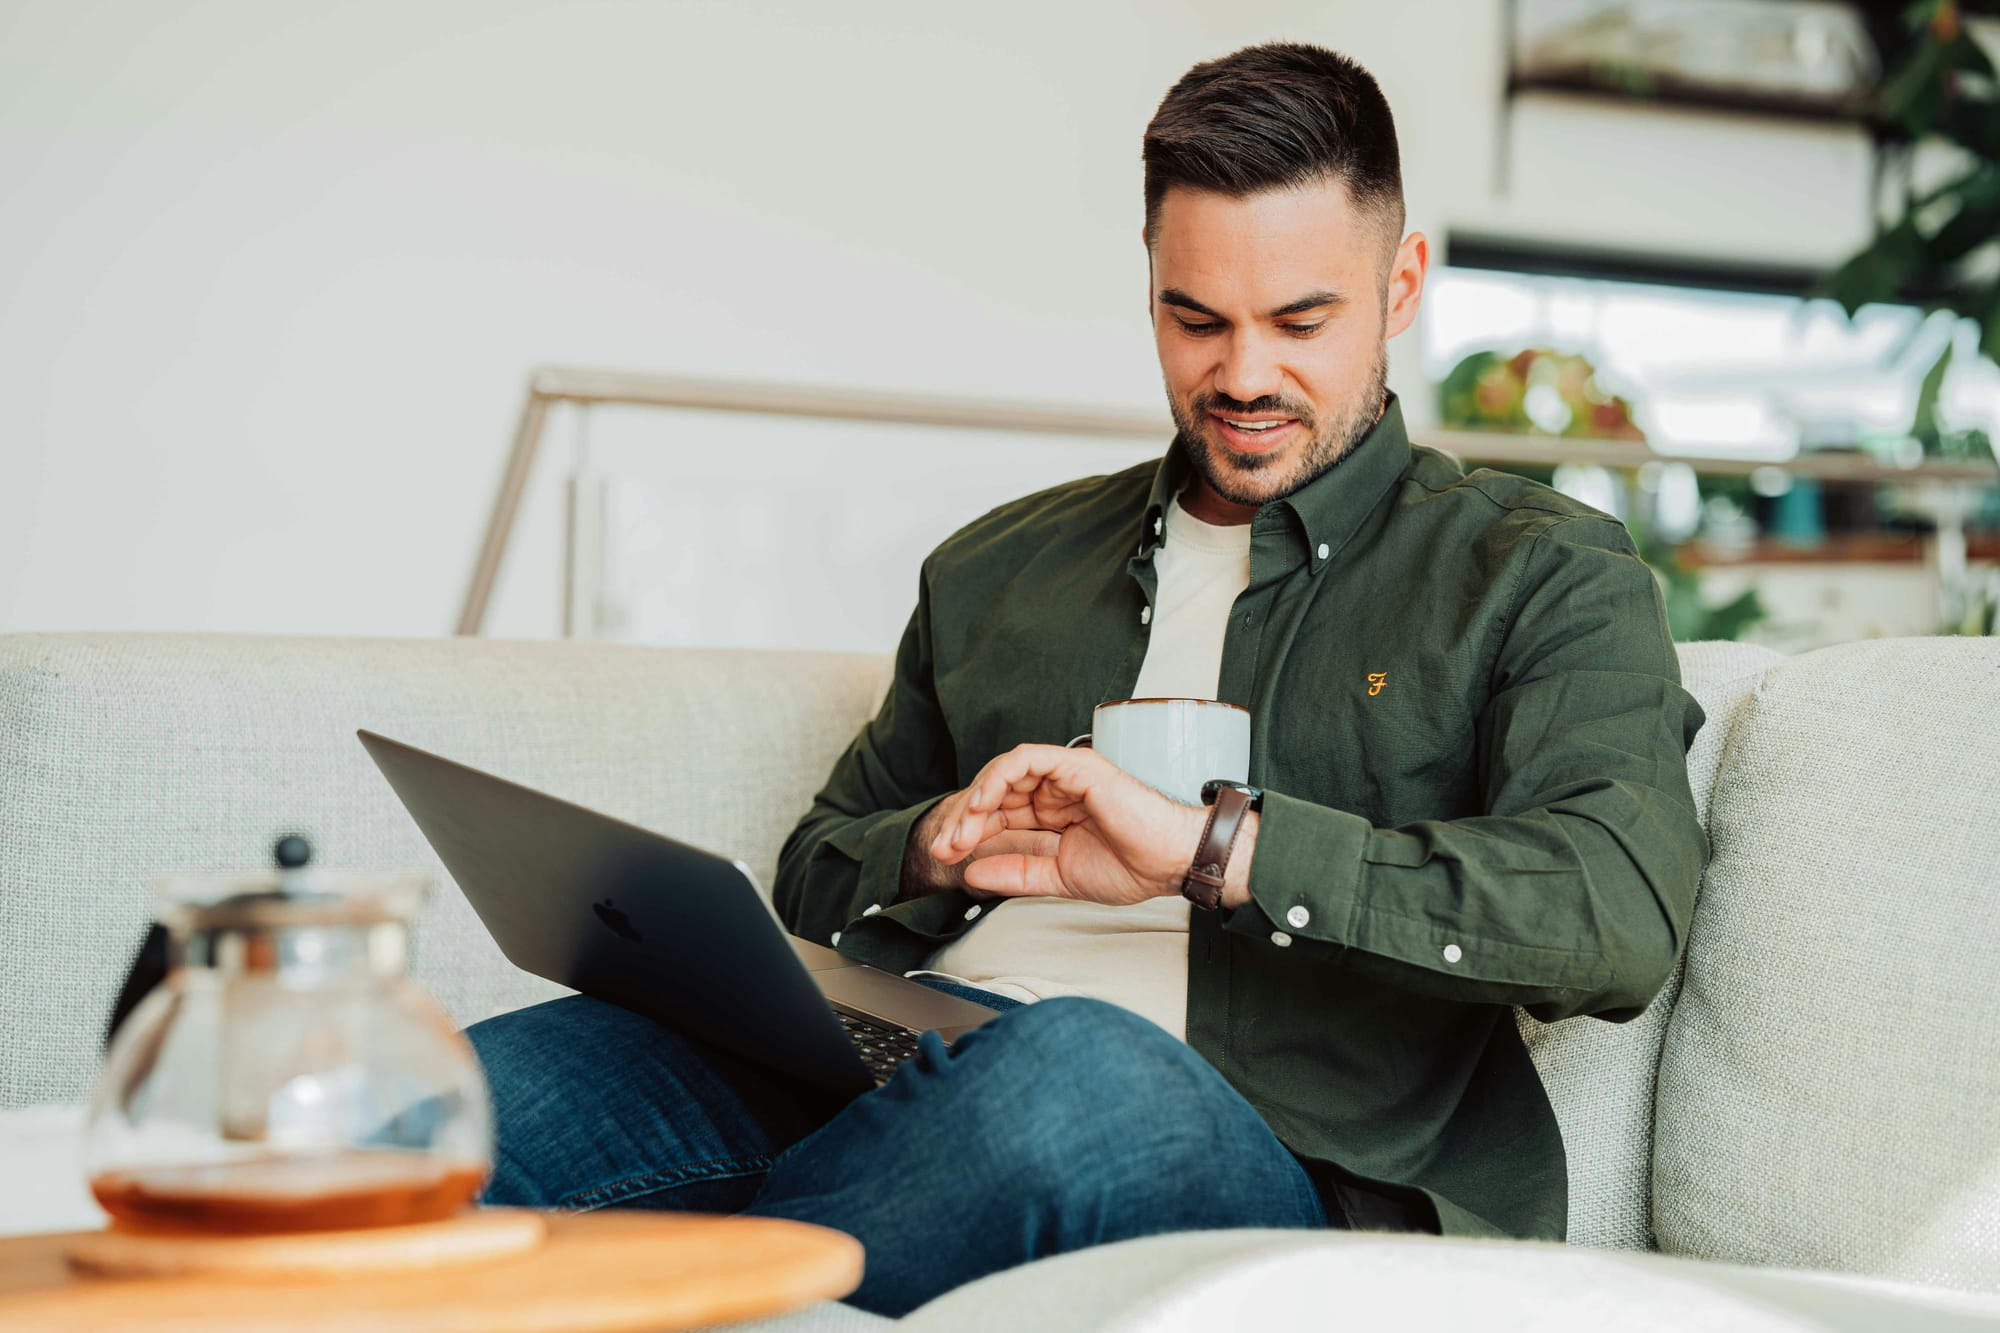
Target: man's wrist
(1236,874)
(921,873)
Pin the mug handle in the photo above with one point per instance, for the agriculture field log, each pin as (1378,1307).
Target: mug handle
(1080,743)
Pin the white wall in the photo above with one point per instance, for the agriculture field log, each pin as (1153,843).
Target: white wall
(274,273)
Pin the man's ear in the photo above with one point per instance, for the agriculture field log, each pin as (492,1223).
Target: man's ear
(1407,268)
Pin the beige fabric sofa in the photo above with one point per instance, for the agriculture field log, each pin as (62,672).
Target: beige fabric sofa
(1819,1091)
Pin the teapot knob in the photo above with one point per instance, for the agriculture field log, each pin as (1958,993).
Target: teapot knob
(292,851)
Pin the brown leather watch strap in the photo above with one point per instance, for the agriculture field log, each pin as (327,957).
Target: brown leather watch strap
(1203,883)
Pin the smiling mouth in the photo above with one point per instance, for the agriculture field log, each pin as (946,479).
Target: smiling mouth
(1253,434)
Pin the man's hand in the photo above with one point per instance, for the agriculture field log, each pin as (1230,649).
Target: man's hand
(923,874)
(1117,840)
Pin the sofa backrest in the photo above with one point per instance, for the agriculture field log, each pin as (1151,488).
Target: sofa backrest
(1599,1075)
(1829,1091)
(122,756)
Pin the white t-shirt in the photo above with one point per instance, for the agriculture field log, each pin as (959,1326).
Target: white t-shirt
(1035,948)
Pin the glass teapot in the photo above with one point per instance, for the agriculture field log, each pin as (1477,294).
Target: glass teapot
(287,1075)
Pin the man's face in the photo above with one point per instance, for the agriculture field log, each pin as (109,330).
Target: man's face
(1272,315)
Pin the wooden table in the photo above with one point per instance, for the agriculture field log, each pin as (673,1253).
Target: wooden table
(614,1270)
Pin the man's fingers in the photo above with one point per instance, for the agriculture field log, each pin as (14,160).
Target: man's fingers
(1030,786)
(1023,768)
(1026,842)
(1014,842)
(1015,875)
(962,830)
(1042,814)
(1017,829)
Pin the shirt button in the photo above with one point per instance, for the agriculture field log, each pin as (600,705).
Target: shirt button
(871,909)
(1145,615)
(1452,953)
(1297,918)
(973,911)
(1323,551)
(836,939)
(1156,525)
(1281,939)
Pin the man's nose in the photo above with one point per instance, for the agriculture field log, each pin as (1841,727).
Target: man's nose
(1249,369)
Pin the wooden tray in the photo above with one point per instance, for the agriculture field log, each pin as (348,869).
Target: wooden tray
(614,1270)
(476,1236)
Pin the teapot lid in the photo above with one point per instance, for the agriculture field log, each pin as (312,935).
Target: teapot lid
(289,894)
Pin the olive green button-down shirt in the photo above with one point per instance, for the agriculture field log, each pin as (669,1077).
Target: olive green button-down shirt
(1470,729)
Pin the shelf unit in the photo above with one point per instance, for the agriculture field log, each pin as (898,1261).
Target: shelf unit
(1683,94)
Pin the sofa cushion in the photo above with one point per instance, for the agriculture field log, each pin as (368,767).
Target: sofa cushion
(1829,1092)
(1599,1076)
(122,756)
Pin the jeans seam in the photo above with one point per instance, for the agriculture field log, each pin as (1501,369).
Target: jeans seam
(652,1182)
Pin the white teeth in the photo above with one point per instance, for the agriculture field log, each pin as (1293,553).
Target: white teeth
(1254,427)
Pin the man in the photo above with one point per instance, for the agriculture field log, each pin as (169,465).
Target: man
(1469,735)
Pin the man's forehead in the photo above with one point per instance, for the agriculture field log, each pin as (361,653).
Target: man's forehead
(1263,249)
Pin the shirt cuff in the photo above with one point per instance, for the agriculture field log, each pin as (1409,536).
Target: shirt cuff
(880,850)
(1305,874)
(879,930)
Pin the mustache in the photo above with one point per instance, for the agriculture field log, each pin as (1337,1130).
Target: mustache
(1222,404)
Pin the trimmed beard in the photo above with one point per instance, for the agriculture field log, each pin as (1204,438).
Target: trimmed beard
(1226,474)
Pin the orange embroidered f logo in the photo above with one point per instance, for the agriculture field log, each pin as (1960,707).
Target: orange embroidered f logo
(1376,680)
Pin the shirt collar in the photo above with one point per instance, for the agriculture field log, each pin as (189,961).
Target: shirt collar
(1328,508)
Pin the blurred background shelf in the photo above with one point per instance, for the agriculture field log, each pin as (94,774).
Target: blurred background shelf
(1501,449)
(1687,94)
(1846,548)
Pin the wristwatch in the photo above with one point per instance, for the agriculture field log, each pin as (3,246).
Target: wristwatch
(1227,801)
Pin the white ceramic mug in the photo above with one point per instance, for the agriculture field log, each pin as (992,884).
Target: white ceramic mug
(1173,745)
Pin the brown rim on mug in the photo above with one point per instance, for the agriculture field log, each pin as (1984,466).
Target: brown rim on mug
(1083,742)
(1217,703)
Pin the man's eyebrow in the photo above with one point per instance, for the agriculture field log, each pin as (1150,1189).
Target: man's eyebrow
(1310,301)
(1174,296)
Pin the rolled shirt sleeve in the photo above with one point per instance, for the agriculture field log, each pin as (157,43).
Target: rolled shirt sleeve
(1571,894)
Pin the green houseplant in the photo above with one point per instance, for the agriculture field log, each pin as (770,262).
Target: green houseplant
(1939,84)
(1943,247)
(1492,390)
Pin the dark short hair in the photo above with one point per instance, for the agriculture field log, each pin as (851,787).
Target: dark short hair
(1275,116)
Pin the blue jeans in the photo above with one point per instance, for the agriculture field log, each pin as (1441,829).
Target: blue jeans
(1053,1127)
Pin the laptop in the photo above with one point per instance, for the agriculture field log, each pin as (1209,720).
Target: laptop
(670,931)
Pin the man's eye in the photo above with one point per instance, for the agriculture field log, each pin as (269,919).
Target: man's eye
(1199,330)
(1303,330)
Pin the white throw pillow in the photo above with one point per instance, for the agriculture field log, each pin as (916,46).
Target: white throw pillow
(1829,1093)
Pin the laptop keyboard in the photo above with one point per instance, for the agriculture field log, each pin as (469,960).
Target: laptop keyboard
(881,1048)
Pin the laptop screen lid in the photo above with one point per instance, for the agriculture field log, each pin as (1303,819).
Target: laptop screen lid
(670,931)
